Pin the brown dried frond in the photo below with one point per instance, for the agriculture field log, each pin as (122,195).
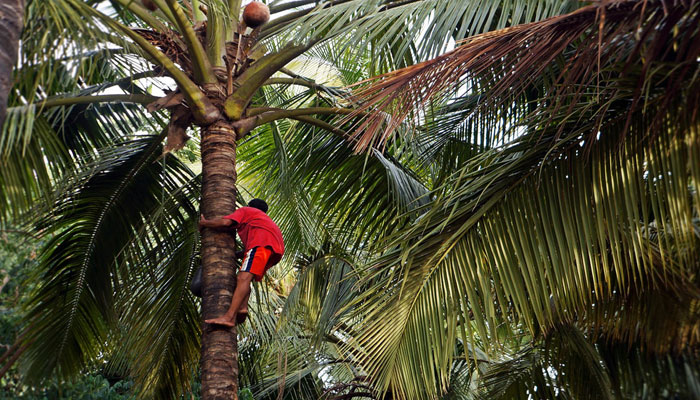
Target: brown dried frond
(180,119)
(589,48)
(167,44)
(237,51)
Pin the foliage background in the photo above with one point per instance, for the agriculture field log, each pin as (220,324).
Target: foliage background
(528,230)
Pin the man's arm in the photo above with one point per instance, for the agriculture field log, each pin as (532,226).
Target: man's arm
(219,224)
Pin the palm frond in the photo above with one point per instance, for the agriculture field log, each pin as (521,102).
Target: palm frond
(322,289)
(62,57)
(159,335)
(559,57)
(160,318)
(307,172)
(533,248)
(635,373)
(71,311)
(393,26)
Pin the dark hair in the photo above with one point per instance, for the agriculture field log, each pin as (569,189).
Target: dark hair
(259,204)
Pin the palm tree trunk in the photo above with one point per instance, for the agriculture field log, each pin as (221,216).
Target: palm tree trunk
(219,362)
(11,15)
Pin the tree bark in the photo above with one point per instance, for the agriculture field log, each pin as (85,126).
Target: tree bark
(11,15)
(219,362)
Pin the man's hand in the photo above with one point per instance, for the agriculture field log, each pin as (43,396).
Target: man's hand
(202,221)
(220,224)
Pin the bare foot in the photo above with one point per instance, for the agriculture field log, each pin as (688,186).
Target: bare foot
(221,321)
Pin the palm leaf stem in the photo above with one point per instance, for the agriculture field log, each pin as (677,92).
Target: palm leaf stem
(275,24)
(203,72)
(263,115)
(271,27)
(393,4)
(324,125)
(253,78)
(218,33)
(197,12)
(123,83)
(163,7)
(144,15)
(234,9)
(290,5)
(106,52)
(306,83)
(270,114)
(201,106)
(106,98)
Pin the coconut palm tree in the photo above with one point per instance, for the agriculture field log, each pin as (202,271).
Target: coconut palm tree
(71,52)
(547,197)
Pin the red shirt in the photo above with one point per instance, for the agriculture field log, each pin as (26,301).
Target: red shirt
(255,228)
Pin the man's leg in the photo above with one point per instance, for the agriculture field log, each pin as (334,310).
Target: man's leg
(244,305)
(243,311)
(240,295)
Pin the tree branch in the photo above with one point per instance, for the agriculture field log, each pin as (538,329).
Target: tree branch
(200,62)
(253,78)
(202,109)
(144,15)
(263,115)
(165,10)
(306,83)
(15,351)
(12,360)
(234,7)
(107,98)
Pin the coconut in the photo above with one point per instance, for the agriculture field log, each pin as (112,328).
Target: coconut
(256,14)
(149,4)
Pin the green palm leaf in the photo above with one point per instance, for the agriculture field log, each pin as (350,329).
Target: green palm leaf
(72,307)
(392,26)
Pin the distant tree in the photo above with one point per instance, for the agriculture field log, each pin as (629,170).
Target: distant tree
(11,13)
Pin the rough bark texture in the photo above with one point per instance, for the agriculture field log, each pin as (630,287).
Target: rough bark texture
(219,361)
(11,13)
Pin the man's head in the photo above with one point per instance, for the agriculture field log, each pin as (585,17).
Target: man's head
(259,204)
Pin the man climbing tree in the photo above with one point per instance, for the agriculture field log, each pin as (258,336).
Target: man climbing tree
(264,247)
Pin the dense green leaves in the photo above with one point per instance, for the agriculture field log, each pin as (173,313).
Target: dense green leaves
(584,210)
(72,309)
